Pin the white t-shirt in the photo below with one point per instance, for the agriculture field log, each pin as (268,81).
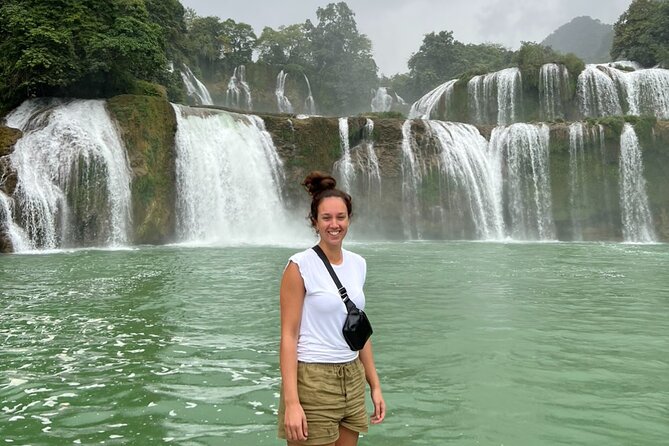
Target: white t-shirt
(323,312)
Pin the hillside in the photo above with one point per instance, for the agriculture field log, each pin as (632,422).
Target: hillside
(584,36)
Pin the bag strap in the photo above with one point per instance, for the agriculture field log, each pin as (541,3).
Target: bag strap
(342,291)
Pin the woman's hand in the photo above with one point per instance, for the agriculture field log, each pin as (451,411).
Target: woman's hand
(295,423)
(379,407)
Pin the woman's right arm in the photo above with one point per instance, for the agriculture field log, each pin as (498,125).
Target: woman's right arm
(291,301)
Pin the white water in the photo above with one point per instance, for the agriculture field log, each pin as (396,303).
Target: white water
(466,167)
(494,97)
(344,166)
(520,154)
(553,84)
(17,236)
(597,93)
(373,170)
(309,103)
(381,100)
(636,217)
(69,161)
(368,164)
(411,180)
(604,90)
(195,88)
(424,106)
(647,91)
(578,203)
(282,101)
(228,182)
(238,93)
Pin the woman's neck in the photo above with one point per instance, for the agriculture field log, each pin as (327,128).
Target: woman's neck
(333,253)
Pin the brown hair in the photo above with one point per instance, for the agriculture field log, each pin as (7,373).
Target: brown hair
(321,185)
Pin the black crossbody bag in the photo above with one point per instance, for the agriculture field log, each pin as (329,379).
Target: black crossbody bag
(357,328)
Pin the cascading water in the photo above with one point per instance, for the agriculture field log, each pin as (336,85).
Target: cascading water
(423,107)
(553,85)
(309,103)
(381,101)
(647,91)
(228,181)
(411,180)
(520,156)
(597,93)
(578,201)
(373,170)
(344,167)
(364,182)
(368,165)
(465,168)
(636,217)
(17,236)
(73,175)
(195,88)
(238,94)
(494,97)
(282,101)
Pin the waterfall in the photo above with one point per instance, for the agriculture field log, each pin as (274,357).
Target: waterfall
(282,101)
(369,164)
(647,91)
(17,236)
(424,106)
(553,85)
(411,180)
(73,175)
(466,169)
(309,103)
(195,88)
(597,93)
(494,97)
(598,134)
(636,218)
(238,93)
(578,202)
(344,167)
(229,180)
(381,101)
(520,154)
(372,161)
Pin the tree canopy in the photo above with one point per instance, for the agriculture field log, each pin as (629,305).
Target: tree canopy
(441,57)
(641,33)
(99,48)
(86,48)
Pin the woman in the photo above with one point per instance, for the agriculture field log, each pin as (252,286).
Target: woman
(323,380)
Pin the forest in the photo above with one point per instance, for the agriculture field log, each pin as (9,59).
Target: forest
(102,48)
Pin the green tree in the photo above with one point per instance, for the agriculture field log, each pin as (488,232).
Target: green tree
(642,33)
(217,46)
(441,58)
(87,49)
(239,41)
(287,45)
(206,42)
(342,61)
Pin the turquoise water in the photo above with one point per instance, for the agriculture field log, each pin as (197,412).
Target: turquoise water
(476,344)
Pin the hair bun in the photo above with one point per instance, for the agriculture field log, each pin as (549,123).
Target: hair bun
(317,182)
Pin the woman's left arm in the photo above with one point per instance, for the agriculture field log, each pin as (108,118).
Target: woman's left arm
(367,359)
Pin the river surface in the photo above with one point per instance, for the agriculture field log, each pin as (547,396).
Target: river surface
(475,343)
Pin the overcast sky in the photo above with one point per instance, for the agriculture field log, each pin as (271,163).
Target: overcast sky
(396,27)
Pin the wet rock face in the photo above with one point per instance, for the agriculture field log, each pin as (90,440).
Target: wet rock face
(8,138)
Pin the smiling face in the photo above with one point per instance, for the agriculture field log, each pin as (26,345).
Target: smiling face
(333,220)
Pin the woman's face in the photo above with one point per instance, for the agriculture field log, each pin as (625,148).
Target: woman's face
(332,222)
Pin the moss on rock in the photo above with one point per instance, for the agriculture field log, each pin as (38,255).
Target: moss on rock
(148,126)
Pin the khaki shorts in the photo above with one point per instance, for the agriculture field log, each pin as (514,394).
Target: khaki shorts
(331,395)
